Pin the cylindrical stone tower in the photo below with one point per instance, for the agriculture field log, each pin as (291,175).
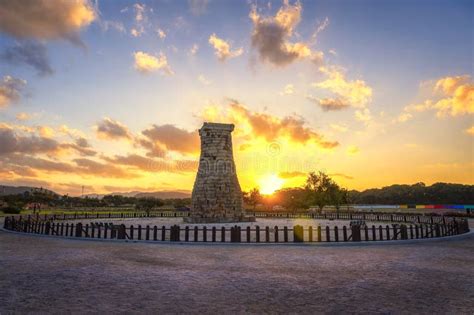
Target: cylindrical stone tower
(216,196)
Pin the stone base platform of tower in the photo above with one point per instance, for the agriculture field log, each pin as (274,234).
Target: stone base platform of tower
(198,220)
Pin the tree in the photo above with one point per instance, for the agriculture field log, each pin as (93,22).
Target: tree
(253,197)
(293,198)
(317,187)
(147,204)
(337,195)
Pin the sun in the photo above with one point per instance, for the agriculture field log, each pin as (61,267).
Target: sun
(270,183)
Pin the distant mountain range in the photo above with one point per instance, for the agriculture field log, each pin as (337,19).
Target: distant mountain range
(178,194)
(13,190)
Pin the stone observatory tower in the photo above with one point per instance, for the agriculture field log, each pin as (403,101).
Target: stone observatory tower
(216,193)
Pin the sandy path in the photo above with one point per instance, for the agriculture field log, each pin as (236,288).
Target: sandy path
(62,276)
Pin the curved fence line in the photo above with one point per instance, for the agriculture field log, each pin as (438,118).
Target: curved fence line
(356,232)
(366,216)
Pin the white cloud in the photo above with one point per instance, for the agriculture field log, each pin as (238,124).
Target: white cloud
(363,115)
(203,80)
(139,12)
(289,89)
(141,20)
(272,34)
(194,49)
(10,90)
(321,27)
(107,25)
(161,33)
(339,127)
(137,32)
(404,117)
(23,116)
(146,63)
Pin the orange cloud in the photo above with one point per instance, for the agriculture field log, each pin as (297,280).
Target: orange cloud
(451,96)
(24,140)
(222,48)
(37,163)
(341,175)
(173,138)
(286,175)
(449,85)
(10,142)
(94,168)
(329,104)
(46,131)
(109,129)
(270,128)
(155,165)
(23,116)
(458,96)
(44,19)
(355,93)
(81,146)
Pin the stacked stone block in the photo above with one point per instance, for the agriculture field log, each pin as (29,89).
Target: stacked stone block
(216,193)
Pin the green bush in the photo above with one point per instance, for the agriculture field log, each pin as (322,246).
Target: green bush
(11,210)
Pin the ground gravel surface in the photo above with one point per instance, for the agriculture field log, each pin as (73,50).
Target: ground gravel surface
(54,275)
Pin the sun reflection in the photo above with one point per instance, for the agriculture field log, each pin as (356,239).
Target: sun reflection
(270,183)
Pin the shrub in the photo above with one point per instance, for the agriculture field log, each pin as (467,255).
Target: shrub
(11,210)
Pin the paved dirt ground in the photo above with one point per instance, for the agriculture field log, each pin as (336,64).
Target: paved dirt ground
(50,275)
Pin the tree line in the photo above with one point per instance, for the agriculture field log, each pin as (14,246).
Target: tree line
(319,190)
(38,199)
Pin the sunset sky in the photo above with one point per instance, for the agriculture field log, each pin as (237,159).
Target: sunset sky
(109,94)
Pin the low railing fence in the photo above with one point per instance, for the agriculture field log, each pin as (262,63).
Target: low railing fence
(238,234)
(365,216)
